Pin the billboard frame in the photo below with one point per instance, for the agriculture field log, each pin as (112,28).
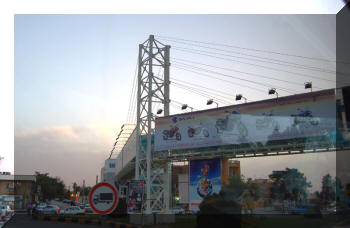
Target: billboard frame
(239,151)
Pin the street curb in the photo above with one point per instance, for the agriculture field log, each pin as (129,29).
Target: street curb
(83,221)
(5,223)
(67,220)
(120,225)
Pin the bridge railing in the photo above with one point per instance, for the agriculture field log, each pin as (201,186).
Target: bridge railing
(127,153)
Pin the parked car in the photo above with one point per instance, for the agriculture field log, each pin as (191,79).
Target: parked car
(51,209)
(178,210)
(300,210)
(38,209)
(73,210)
(67,201)
(88,210)
(5,210)
(313,211)
(339,210)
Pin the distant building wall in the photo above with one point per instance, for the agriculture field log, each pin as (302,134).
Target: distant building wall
(108,170)
(16,190)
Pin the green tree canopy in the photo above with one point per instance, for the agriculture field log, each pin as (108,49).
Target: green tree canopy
(289,184)
(50,187)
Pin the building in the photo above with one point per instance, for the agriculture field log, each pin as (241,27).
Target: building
(229,169)
(16,190)
(265,186)
(108,171)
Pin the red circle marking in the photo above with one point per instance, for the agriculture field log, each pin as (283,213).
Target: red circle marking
(108,185)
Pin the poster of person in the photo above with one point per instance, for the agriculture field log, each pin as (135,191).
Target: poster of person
(135,195)
(204,180)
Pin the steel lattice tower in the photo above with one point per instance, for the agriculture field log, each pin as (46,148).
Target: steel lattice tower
(151,90)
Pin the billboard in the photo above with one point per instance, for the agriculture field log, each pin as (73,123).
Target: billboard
(309,116)
(205,180)
(135,195)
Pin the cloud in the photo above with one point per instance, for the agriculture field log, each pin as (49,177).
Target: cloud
(72,153)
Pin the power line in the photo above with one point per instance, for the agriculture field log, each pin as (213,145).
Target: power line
(299,66)
(207,94)
(222,92)
(242,72)
(220,79)
(238,78)
(252,49)
(256,65)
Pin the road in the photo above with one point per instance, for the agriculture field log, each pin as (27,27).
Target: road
(24,221)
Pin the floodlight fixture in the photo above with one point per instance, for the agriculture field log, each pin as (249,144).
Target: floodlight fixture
(273,91)
(308,85)
(185,106)
(239,97)
(211,101)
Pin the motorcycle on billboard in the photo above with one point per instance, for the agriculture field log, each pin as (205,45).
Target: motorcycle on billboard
(232,124)
(172,133)
(197,131)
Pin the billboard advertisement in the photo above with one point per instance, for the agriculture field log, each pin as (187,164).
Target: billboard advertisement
(135,195)
(205,180)
(309,115)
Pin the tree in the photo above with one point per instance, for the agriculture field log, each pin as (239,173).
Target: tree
(327,194)
(237,186)
(50,187)
(289,184)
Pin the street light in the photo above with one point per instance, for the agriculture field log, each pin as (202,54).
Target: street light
(185,106)
(159,111)
(308,85)
(273,91)
(239,97)
(211,101)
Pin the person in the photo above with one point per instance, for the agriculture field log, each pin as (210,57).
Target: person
(29,209)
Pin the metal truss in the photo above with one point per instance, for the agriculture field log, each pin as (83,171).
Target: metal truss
(151,90)
(241,152)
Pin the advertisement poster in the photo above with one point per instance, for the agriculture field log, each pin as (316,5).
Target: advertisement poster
(310,116)
(204,180)
(135,195)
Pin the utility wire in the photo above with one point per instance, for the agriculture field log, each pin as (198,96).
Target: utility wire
(242,72)
(207,95)
(203,94)
(299,66)
(238,78)
(251,49)
(220,79)
(256,65)
(281,62)
(222,92)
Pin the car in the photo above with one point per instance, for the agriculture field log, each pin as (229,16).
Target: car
(5,210)
(313,211)
(67,201)
(339,210)
(178,210)
(51,209)
(38,209)
(73,210)
(88,210)
(298,210)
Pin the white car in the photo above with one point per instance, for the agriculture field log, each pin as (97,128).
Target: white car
(5,210)
(178,210)
(74,210)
